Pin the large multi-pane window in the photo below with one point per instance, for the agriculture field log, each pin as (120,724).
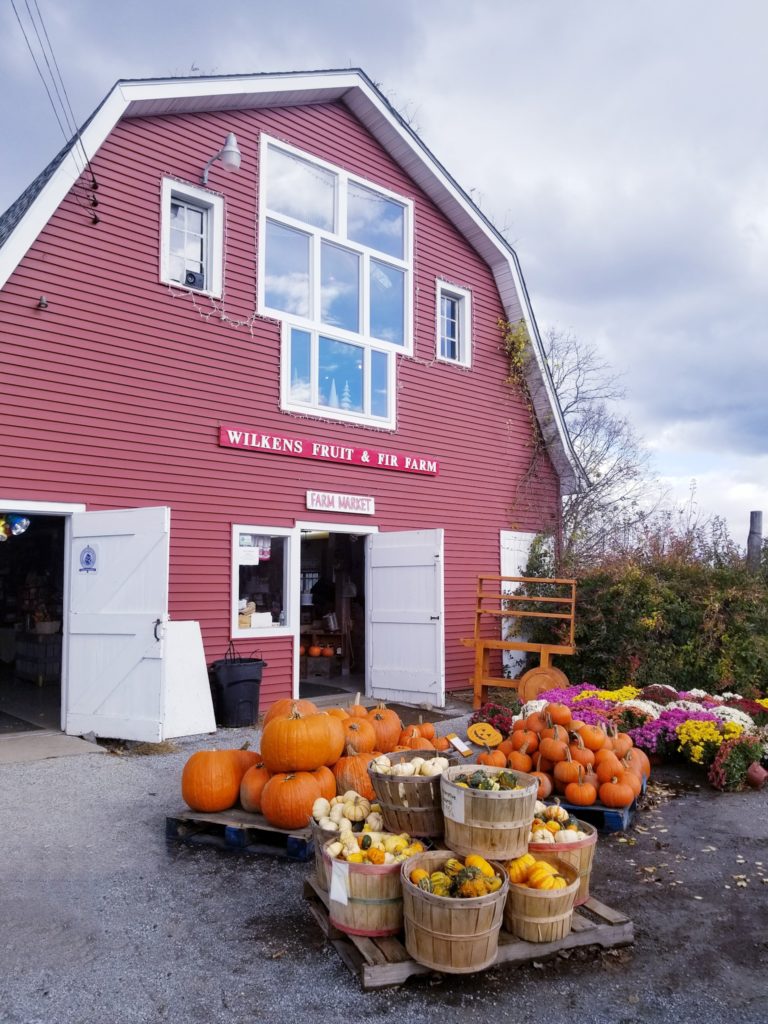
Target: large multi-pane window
(336,268)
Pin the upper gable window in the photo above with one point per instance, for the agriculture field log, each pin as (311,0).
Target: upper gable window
(191,233)
(336,268)
(454,318)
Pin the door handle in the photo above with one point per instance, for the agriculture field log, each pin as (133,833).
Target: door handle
(434,618)
(158,623)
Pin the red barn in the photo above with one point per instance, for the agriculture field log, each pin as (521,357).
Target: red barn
(254,390)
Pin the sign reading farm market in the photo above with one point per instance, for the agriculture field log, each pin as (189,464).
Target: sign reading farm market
(327,501)
(314,448)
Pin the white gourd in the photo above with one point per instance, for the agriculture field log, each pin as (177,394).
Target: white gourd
(336,813)
(542,835)
(328,825)
(334,849)
(403,769)
(321,808)
(417,762)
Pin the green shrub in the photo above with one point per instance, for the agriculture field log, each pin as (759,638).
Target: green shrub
(688,623)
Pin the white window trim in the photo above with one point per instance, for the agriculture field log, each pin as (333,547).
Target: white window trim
(214,204)
(314,326)
(465,323)
(327,413)
(292,572)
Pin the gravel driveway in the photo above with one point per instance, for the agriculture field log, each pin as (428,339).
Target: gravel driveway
(102,922)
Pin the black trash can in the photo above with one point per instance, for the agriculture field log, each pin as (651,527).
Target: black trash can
(235,685)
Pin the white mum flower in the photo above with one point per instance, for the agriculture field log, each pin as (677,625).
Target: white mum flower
(734,715)
(533,705)
(648,707)
(687,705)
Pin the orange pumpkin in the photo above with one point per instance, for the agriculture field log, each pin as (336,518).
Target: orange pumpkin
(493,758)
(555,748)
(252,786)
(427,729)
(301,743)
(581,792)
(327,652)
(315,651)
(351,772)
(287,799)
(387,726)
(245,759)
(282,708)
(593,737)
(581,753)
(338,713)
(326,780)
(616,793)
(537,721)
(359,734)
(608,767)
(567,771)
(410,732)
(520,760)
(210,780)
(441,743)
(527,736)
(421,743)
(302,650)
(560,714)
(356,709)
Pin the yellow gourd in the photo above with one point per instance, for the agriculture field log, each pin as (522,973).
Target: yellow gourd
(518,869)
(552,826)
(474,860)
(375,855)
(418,874)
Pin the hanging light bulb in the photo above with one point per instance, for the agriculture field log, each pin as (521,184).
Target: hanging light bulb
(18,525)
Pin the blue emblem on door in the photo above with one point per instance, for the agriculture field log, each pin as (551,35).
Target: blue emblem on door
(88,559)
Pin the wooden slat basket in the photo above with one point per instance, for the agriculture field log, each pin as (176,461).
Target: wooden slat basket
(410,803)
(364,899)
(542,915)
(320,837)
(454,936)
(580,855)
(495,825)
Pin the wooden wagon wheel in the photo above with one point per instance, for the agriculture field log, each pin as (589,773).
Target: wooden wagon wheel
(539,680)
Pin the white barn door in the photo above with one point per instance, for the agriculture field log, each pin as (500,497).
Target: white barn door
(404,593)
(515,548)
(118,610)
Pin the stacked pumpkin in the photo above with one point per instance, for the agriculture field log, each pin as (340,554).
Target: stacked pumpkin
(585,763)
(305,754)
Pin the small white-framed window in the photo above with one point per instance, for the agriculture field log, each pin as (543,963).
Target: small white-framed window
(454,324)
(262,570)
(191,237)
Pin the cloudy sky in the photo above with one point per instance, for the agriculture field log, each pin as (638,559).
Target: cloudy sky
(621,146)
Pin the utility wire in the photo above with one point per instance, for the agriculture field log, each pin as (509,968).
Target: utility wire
(72,119)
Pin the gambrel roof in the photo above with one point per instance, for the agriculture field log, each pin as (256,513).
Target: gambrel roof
(24,219)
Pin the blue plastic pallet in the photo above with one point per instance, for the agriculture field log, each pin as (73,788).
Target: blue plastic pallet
(604,819)
(240,832)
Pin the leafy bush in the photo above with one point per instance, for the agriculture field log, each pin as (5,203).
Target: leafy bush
(669,616)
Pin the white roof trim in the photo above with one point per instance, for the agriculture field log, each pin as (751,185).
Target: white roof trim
(174,96)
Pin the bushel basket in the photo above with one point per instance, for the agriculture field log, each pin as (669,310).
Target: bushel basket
(542,915)
(493,824)
(410,803)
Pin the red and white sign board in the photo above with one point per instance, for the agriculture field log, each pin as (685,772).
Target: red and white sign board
(327,501)
(314,448)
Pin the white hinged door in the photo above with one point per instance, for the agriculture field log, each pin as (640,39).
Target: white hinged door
(405,641)
(118,609)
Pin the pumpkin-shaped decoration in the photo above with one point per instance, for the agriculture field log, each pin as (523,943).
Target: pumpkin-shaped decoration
(351,773)
(484,735)
(283,707)
(252,786)
(288,798)
(210,780)
(301,742)
(315,651)
(387,726)
(326,780)
(327,652)
(359,734)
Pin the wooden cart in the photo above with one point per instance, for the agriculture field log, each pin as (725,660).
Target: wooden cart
(500,607)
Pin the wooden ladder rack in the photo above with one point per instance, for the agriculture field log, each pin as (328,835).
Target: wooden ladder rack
(499,600)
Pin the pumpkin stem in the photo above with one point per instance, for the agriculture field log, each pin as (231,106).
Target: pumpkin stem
(245,745)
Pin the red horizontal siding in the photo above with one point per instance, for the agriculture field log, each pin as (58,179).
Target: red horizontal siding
(114,394)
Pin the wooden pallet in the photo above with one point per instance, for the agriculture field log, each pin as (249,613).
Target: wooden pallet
(240,831)
(605,819)
(380,963)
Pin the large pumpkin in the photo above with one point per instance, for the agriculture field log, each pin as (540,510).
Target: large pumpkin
(301,743)
(287,799)
(326,780)
(387,726)
(246,759)
(351,772)
(210,780)
(252,786)
(282,708)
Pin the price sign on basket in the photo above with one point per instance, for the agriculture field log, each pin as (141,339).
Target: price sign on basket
(453,803)
(339,890)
